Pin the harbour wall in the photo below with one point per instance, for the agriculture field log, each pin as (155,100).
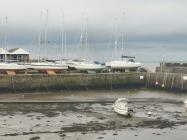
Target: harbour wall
(169,81)
(172,69)
(44,82)
(81,81)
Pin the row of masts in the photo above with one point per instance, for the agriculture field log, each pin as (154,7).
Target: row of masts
(43,36)
(83,41)
(50,67)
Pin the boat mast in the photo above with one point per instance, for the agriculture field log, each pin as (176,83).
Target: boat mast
(122,35)
(5,38)
(116,40)
(65,45)
(122,43)
(62,37)
(46,35)
(163,59)
(82,33)
(86,38)
(39,37)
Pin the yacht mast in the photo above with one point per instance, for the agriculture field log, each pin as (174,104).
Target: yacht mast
(122,43)
(116,40)
(62,37)
(5,38)
(86,39)
(122,34)
(39,37)
(46,34)
(82,34)
(65,45)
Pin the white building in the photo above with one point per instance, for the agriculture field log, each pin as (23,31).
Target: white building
(4,53)
(15,54)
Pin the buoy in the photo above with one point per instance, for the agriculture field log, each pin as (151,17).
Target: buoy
(149,113)
(156,83)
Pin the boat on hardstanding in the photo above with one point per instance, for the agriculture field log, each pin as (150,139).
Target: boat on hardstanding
(45,66)
(11,67)
(121,107)
(83,64)
(126,63)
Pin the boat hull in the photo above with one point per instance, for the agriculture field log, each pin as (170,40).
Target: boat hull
(85,66)
(123,65)
(121,107)
(47,66)
(119,111)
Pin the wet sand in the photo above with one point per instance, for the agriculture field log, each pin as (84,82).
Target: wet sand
(94,120)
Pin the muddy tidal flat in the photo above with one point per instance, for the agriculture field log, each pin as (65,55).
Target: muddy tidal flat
(93,120)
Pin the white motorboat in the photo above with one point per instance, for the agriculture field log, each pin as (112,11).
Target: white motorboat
(123,64)
(121,107)
(84,65)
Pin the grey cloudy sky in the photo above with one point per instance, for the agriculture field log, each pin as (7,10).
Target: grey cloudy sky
(144,20)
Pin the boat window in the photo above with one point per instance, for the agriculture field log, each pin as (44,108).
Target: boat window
(131,60)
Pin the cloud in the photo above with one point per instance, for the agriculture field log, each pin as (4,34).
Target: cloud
(144,20)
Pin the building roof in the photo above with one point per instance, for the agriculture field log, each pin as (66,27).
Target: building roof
(18,51)
(3,51)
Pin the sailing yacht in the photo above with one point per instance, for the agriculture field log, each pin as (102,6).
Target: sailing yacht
(126,63)
(82,64)
(44,66)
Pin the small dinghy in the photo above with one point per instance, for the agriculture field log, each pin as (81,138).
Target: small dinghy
(121,107)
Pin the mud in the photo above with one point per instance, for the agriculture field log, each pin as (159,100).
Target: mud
(93,120)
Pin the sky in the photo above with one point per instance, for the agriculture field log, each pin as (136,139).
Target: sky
(158,21)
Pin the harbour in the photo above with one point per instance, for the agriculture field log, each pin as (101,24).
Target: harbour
(93,70)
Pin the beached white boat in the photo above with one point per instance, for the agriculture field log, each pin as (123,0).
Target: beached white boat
(121,107)
(84,65)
